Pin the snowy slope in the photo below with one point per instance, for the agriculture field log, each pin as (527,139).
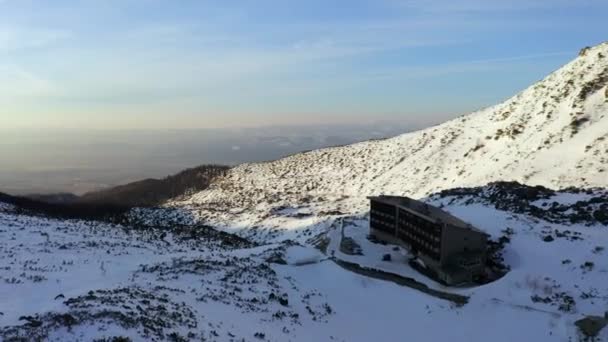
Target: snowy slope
(81,281)
(555,133)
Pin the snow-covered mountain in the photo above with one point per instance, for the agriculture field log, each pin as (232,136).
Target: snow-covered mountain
(554,133)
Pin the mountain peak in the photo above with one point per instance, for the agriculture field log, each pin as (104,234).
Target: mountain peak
(590,49)
(572,84)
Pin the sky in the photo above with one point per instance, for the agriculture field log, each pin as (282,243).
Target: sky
(166,64)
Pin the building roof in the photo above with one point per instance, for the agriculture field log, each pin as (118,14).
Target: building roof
(430,212)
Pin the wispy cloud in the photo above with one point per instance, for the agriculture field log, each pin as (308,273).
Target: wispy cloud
(16,38)
(487,5)
(18,82)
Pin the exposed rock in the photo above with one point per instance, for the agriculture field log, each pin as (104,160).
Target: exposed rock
(520,198)
(591,326)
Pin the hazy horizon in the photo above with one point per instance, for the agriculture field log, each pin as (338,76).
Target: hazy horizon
(78,161)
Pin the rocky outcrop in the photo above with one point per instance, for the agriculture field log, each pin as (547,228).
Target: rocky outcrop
(591,326)
(537,201)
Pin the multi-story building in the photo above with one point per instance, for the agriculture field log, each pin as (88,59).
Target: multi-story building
(452,251)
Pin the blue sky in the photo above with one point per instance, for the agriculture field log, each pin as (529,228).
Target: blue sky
(124,64)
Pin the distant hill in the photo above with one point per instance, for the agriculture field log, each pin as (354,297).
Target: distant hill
(153,192)
(110,204)
(65,210)
(62,197)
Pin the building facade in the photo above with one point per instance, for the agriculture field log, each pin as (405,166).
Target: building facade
(452,251)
